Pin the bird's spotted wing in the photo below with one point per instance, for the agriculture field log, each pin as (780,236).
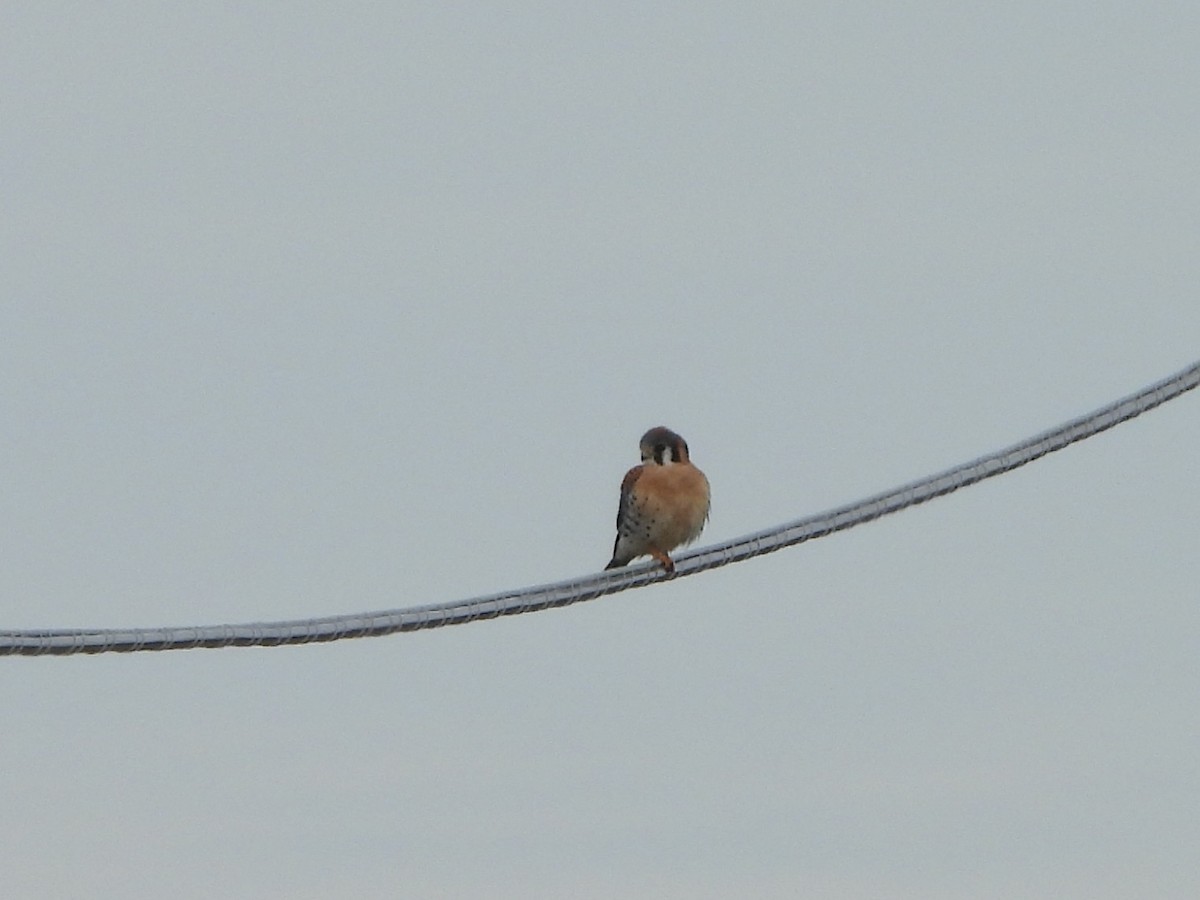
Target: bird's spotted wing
(627,484)
(624,514)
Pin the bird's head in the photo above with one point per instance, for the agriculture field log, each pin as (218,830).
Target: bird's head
(662,447)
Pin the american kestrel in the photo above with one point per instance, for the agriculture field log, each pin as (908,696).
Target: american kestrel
(664,501)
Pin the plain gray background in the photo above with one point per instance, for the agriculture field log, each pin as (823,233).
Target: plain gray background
(310,309)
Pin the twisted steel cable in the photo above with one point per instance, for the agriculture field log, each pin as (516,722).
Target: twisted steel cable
(333,628)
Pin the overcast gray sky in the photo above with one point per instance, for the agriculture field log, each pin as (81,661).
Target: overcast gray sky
(310,309)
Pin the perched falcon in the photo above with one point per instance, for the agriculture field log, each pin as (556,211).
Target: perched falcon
(664,501)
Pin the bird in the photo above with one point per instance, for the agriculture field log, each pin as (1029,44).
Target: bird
(664,502)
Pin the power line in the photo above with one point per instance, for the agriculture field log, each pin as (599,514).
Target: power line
(332,628)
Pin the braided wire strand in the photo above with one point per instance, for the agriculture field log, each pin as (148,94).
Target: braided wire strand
(62,642)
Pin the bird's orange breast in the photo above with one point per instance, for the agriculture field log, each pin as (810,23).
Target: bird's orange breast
(676,499)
